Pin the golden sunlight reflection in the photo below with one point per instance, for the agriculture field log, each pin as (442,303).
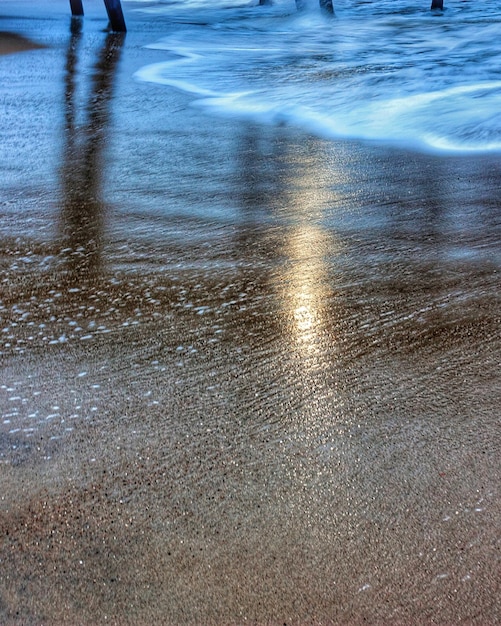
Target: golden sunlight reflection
(306,289)
(306,285)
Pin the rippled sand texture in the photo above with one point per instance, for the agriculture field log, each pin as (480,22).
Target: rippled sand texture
(246,376)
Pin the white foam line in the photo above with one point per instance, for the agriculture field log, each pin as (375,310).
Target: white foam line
(443,144)
(235,103)
(425,98)
(155,73)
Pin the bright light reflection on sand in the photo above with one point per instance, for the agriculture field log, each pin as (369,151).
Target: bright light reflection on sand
(305,287)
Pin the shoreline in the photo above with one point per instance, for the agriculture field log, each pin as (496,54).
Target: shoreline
(248,375)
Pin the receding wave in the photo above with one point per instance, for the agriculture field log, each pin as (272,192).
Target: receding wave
(431,84)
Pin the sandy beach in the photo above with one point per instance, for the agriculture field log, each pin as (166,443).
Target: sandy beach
(247,375)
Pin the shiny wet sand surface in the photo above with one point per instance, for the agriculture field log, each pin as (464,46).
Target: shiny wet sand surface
(247,376)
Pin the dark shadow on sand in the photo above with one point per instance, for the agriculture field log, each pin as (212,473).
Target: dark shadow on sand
(82,170)
(12,42)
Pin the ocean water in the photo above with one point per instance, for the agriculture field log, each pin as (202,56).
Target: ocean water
(387,71)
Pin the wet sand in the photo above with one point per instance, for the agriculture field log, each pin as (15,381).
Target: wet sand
(247,376)
(11,42)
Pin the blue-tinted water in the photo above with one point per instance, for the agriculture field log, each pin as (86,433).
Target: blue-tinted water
(389,71)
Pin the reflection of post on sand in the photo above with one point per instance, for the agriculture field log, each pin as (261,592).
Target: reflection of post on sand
(82,210)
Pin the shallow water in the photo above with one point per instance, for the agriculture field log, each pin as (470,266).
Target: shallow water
(385,71)
(248,374)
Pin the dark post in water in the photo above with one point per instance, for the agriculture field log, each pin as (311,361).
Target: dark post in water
(113,8)
(326,6)
(76,7)
(115,15)
(437,4)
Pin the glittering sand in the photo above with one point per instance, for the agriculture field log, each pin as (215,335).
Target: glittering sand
(247,376)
